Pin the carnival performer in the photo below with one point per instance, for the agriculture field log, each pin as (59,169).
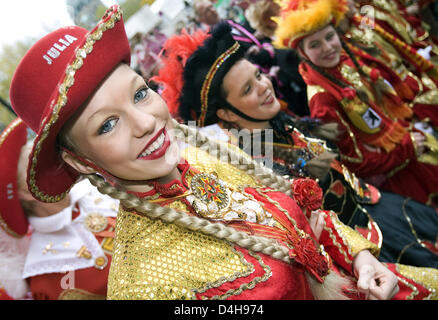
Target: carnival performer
(251,93)
(280,64)
(210,229)
(69,243)
(412,76)
(375,143)
(409,29)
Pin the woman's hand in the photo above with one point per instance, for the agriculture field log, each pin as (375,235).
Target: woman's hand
(373,279)
(413,9)
(418,140)
(316,222)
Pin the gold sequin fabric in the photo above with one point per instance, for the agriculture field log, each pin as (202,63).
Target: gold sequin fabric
(428,277)
(155,260)
(204,162)
(355,241)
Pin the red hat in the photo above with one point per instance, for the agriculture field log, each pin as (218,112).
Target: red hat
(52,81)
(12,218)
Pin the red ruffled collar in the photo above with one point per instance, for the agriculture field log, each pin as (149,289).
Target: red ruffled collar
(167,190)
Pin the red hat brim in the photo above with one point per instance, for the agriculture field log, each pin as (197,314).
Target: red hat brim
(12,217)
(97,53)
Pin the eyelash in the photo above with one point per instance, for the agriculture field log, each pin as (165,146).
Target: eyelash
(102,129)
(144,89)
(258,75)
(111,122)
(328,38)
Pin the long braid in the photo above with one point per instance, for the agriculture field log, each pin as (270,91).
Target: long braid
(332,286)
(237,159)
(182,219)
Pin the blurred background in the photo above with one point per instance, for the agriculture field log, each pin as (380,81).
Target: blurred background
(148,24)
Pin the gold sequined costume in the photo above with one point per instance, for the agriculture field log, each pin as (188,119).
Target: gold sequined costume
(157,260)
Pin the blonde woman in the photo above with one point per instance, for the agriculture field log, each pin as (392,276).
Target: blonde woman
(184,231)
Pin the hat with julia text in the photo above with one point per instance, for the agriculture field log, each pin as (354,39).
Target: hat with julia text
(53,80)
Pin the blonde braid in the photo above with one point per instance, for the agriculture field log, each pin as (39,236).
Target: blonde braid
(266,176)
(182,219)
(330,289)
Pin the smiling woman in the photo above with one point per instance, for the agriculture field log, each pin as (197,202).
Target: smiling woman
(378,141)
(201,230)
(113,119)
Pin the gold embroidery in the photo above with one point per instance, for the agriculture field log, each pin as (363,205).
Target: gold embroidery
(204,162)
(79,294)
(64,87)
(245,286)
(428,277)
(3,137)
(354,240)
(300,232)
(155,260)
(359,158)
(403,29)
(352,75)
(429,97)
(335,241)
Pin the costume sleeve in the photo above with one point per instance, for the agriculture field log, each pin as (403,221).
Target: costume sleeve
(343,243)
(361,160)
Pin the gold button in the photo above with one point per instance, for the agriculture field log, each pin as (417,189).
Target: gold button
(100,262)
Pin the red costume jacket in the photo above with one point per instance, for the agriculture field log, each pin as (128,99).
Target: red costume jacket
(373,145)
(133,270)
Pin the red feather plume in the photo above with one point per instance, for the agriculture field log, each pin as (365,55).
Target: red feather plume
(176,51)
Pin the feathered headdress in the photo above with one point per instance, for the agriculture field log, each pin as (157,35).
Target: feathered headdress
(299,18)
(193,69)
(175,53)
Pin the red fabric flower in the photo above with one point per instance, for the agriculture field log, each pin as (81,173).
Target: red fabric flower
(348,93)
(307,255)
(307,193)
(374,75)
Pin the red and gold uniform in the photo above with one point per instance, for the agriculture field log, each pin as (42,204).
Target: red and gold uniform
(156,260)
(375,143)
(70,252)
(390,16)
(414,78)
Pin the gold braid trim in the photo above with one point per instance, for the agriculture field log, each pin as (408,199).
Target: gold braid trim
(245,286)
(398,168)
(359,154)
(79,294)
(427,277)
(3,137)
(62,99)
(354,240)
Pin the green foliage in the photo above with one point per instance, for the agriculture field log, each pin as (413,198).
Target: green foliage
(130,7)
(6,117)
(10,56)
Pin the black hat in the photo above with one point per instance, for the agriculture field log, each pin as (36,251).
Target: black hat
(203,70)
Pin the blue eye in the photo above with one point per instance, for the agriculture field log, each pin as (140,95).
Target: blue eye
(140,94)
(108,126)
